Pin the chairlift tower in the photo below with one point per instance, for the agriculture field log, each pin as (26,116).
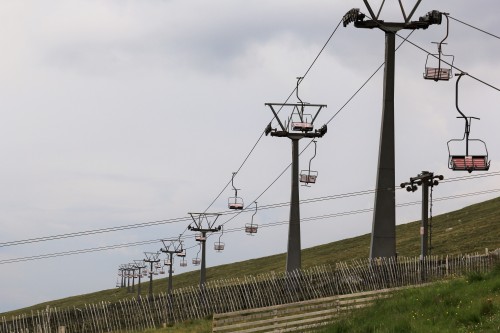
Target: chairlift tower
(203,223)
(383,240)
(425,179)
(299,125)
(123,275)
(151,258)
(172,246)
(139,265)
(132,269)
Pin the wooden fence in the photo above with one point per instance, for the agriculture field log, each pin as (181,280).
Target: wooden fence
(295,317)
(250,292)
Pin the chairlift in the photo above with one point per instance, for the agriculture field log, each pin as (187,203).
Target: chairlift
(438,66)
(167,262)
(298,120)
(162,271)
(219,246)
(183,263)
(235,202)
(309,176)
(251,228)
(196,261)
(182,254)
(475,161)
(199,237)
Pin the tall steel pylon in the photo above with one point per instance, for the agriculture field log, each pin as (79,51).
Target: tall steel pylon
(139,265)
(151,258)
(299,125)
(383,239)
(203,223)
(172,246)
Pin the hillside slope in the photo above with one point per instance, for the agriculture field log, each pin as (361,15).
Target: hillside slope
(470,229)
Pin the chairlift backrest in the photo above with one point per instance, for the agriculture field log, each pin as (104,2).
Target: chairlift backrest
(200,237)
(251,228)
(460,160)
(218,246)
(234,202)
(303,125)
(438,67)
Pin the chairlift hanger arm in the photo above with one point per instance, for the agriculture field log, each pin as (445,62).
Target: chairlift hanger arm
(276,116)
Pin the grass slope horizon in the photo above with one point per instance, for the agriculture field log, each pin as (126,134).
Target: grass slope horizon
(467,230)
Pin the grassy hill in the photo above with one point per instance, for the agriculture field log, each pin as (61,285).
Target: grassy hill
(469,304)
(471,229)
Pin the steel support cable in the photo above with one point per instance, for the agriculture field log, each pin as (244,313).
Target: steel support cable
(471,26)
(442,60)
(345,104)
(289,96)
(272,224)
(368,80)
(451,65)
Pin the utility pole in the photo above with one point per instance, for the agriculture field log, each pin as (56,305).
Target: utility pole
(203,223)
(425,179)
(172,246)
(139,265)
(151,258)
(300,125)
(383,240)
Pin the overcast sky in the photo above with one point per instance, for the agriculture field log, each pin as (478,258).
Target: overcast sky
(123,112)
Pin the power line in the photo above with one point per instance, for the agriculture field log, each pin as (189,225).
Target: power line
(184,219)
(267,225)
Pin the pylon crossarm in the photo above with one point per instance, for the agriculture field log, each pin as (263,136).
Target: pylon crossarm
(198,219)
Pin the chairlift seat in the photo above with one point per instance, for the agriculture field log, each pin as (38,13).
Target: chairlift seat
(469,163)
(308,177)
(251,228)
(219,246)
(162,272)
(302,126)
(182,254)
(437,74)
(235,203)
(199,237)
(196,261)
(183,263)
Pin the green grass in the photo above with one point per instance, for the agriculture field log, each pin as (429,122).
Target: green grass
(470,304)
(468,230)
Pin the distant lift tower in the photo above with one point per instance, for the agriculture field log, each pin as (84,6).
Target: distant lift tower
(151,258)
(140,265)
(203,223)
(383,241)
(297,126)
(172,246)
